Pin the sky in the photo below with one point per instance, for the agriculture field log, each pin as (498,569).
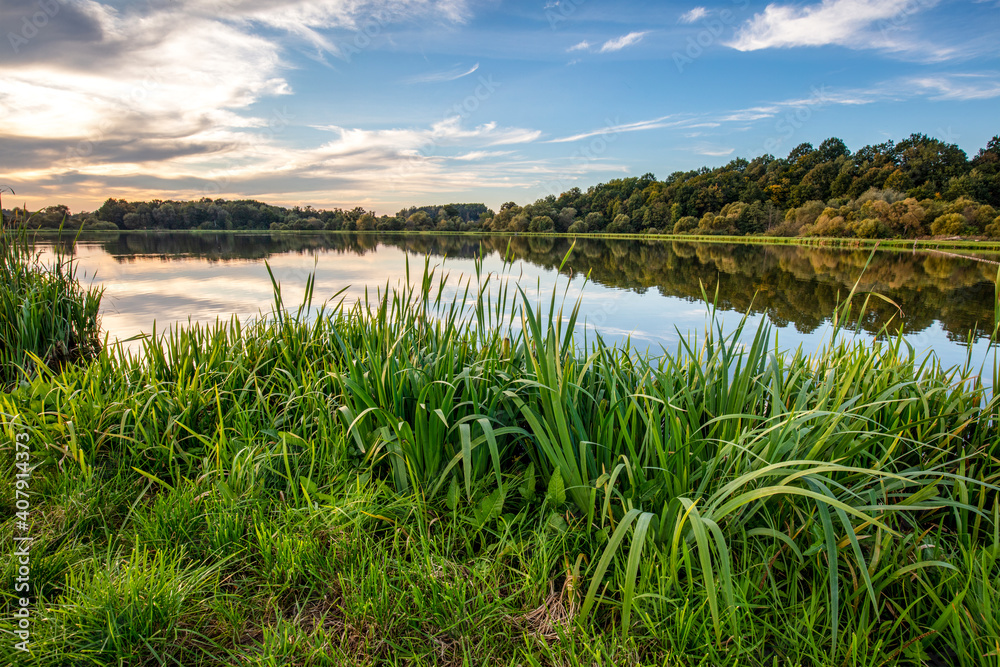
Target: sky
(344,103)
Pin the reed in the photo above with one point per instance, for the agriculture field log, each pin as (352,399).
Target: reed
(46,317)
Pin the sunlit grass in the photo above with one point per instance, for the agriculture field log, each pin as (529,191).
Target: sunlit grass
(46,317)
(429,479)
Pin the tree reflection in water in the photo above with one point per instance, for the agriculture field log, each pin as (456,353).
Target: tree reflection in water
(790,284)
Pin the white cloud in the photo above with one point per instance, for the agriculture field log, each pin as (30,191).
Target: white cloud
(478,155)
(980,86)
(306,19)
(616,128)
(153,97)
(612,45)
(693,15)
(955,87)
(183,85)
(446,133)
(407,162)
(713,151)
(842,22)
(440,77)
(819,97)
(446,156)
(620,43)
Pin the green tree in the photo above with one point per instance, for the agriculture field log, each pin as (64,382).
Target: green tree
(622,224)
(594,221)
(899,180)
(833,148)
(676,213)
(131,220)
(419,220)
(541,223)
(993,229)
(114,210)
(949,224)
(686,224)
(565,218)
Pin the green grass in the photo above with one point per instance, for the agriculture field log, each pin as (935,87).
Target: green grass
(46,317)
(441,474)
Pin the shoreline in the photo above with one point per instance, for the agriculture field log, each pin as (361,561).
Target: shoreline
(976,245)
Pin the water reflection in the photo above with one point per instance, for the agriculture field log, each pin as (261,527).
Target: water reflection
(642,287)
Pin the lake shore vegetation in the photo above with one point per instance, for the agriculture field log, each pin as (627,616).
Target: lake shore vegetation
(47,317)
(446,472)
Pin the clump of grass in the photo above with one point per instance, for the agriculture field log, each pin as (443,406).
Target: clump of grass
(439,473)
(46,317)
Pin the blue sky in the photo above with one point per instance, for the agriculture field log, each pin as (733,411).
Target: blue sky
(387,104)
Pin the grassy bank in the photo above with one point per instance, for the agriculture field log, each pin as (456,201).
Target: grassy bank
(418,480)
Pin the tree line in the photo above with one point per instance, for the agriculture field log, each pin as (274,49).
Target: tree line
(920,186)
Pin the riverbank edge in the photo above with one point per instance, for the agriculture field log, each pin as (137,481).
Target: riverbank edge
(899,245)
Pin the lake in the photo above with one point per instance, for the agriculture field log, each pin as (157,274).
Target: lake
(650,290)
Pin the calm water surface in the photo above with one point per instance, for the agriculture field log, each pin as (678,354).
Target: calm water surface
(648,290)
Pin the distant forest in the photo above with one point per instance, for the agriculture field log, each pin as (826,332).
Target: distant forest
(918,187)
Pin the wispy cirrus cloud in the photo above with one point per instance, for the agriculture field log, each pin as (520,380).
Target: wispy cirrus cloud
(617,128)
(478,155)
(611,45)
(448,132)
(713,151)
(310,19)
(976,86)
(441,77)
(954,86)
(693,15)
(619,43)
